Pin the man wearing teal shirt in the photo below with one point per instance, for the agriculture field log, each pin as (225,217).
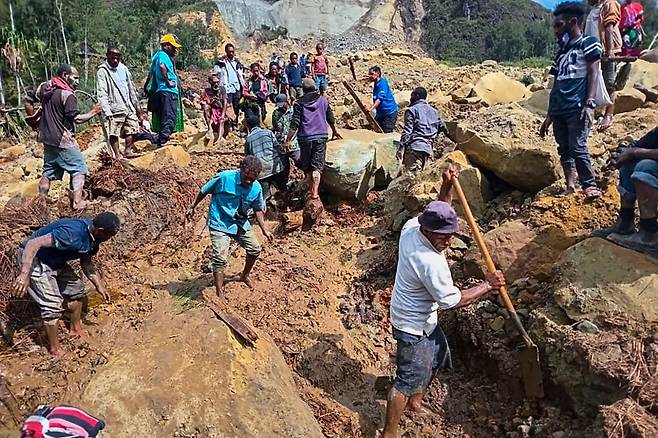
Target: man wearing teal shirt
(233,194)
(163,86)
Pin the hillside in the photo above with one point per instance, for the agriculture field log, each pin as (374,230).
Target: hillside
(473,30)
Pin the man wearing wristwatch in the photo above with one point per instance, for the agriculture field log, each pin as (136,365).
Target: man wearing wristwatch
(571,104)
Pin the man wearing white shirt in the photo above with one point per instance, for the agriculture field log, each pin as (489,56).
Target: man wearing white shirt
(423,285)
(231,71)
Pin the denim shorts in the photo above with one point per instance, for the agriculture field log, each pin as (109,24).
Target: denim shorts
(56,161)
(321,83)
(418,358)
(645,171)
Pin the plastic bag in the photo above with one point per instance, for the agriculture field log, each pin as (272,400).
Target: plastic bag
(601,98)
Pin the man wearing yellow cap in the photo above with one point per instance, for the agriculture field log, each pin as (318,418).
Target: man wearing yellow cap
(163,90)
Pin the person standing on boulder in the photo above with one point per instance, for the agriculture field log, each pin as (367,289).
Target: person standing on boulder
(423,286)
(571,104)
(163,89)
(49,279)
(118,98)
(231,71)
(422,124)
(383,101)
(59,115)
(638,183)
(311,114)
(320,69)
(233,194)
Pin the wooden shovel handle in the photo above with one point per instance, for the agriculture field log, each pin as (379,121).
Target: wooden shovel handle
(491,267)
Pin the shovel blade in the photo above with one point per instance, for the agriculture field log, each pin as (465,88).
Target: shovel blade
(533,381)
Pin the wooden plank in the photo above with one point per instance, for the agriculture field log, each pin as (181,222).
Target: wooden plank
(352,69)
(238,324)
(371,120)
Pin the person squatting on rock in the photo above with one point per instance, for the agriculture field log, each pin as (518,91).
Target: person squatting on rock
(605,23)
(233,194)
(59,115)
(311,114)
(230,69)
(423,285)
(117,96)
(163,90)
(638,183)
(572,100)
(50,280)
(422,124)
(215,105)
(383,101)
(262,144)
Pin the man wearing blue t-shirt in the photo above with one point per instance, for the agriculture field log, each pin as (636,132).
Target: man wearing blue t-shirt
(50,280)
(233,194)
(571,104)
(163,84)
(383,101)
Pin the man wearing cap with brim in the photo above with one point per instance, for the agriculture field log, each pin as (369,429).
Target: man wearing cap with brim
(163,90)
(49,279)
(423,286)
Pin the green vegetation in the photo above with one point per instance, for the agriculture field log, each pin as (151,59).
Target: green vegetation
(134,25)
(474,30)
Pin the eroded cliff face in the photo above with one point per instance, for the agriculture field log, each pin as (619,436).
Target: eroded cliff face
(303,17)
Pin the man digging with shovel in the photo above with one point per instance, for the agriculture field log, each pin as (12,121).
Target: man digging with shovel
(423,285)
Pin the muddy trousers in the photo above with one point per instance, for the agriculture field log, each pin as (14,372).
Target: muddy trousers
(571,131)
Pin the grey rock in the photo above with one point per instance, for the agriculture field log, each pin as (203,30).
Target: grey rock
(587,327)
(497,324)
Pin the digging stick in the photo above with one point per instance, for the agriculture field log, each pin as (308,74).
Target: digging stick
(231,319)
(529,356)
(371,120)
(352,69)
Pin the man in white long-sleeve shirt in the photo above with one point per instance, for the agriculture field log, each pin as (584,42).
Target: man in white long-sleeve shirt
(118,99)
(231,71)
(423,285)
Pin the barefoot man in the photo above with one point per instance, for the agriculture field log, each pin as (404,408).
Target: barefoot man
(233,194)
(51,281)
(423,285)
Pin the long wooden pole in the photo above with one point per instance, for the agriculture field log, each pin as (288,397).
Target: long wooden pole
(371,120)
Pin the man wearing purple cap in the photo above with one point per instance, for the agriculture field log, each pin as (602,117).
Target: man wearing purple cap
(423,285)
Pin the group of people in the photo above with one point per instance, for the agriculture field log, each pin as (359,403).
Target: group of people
(300,131)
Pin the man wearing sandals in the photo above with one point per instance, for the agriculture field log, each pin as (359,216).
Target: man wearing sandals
(638,182)
(423,286)
(571,105)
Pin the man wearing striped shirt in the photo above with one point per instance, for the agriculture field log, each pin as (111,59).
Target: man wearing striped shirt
(572,101)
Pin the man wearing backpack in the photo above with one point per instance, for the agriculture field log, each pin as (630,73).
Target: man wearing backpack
(117,96)
(162,88)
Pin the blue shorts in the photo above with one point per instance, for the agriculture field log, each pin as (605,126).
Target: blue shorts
(418,357)
(56,161)
(321,82)
(645,171)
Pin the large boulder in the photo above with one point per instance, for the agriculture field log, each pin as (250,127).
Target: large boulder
(537,103)
(162,157)
(601,282)
(504,140)
(643,73)
(629,99)
(359,162)
(410,193)
(495,88)
(518,250)
(167,380)
(403,99)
